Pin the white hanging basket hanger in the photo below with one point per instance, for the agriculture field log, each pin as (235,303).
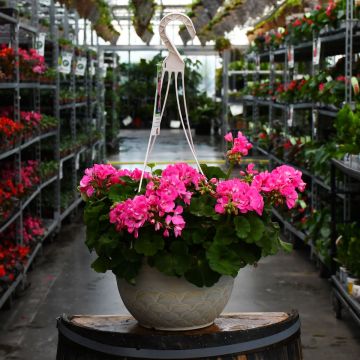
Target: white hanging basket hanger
(173,64)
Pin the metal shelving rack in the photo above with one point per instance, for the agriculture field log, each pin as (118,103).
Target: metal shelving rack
(343,41)
(111,103)
(17,33)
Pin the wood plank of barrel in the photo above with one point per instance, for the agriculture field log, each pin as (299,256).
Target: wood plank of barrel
(233,336)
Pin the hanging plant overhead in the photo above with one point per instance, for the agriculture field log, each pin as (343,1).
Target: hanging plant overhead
(277,18)
(201,13)
(99,13)
(143,11)
(223,20)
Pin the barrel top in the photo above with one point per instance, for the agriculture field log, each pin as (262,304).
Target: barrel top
(229,322)
(242,330)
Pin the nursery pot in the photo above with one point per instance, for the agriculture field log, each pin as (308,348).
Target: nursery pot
(169,303)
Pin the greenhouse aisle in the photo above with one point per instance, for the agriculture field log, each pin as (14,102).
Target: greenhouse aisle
(63,282)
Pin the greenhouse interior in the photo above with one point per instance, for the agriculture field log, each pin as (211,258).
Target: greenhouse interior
(179,179)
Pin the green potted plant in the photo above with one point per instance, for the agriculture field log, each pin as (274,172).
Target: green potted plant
(183,235)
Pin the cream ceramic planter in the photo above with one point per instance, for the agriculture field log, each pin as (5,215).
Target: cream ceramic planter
(169,303)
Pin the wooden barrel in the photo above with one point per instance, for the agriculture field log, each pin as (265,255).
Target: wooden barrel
(240,336)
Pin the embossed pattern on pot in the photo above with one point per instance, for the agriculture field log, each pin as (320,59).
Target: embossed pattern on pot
(169,303)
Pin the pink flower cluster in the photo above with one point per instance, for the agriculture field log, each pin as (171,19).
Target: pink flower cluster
(101,177)
(281,183)
(235,196)
(29,173)
(159,204)
(33,60)
(240,147)
(30,119)
(162,205)
(33,229)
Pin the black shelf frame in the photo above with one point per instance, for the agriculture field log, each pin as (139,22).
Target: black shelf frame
(88,109)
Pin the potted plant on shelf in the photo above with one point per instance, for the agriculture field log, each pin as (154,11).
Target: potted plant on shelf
(176,245)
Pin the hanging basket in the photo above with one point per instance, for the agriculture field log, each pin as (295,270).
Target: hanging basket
(147,36)
(212,6)
(114,38)
(94,15)
(201,18)
(185,36)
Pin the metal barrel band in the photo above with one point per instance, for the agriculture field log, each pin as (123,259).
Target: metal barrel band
(179,354)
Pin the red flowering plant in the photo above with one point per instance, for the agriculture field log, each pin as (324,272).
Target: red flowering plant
(291,92)
(10,132)
(12,260)
(10,192)
(31,121)
(7,64)
(184,223)
(31,64)
(294,150)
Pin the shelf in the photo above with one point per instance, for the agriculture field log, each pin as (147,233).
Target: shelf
(66,106)
(332,43)
(9,153)
(26,144)
(327,112)
(66,212)
(81,104)
(67,157)
(346,299)
(47,87)
(346,169)
(53,225)
(301,235)
(7,19)
(26,203)
(301,106)
(10,290)
(28,28)
(10,221)
(282,162)
(72,105)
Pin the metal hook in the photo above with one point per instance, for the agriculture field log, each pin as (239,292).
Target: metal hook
(174,62)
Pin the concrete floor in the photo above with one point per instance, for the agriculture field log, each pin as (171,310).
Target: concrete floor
(62,282)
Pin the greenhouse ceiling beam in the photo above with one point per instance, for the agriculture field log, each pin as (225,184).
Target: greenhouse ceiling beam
(187,50)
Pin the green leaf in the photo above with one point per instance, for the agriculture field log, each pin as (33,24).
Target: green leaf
(115,193)
(194,235)
(157,172)
(203,206)
(248,253)
(257,229)
(149,244)
(176,261)
(101,264)
(286,246)
(126,263)
(151,165)
(93,214)
(225,234)
(118,192)
(212,172)
(200,274)
(223,259)
(242,227)
(164,263)
(106,243)
(325,232)
(181,257)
